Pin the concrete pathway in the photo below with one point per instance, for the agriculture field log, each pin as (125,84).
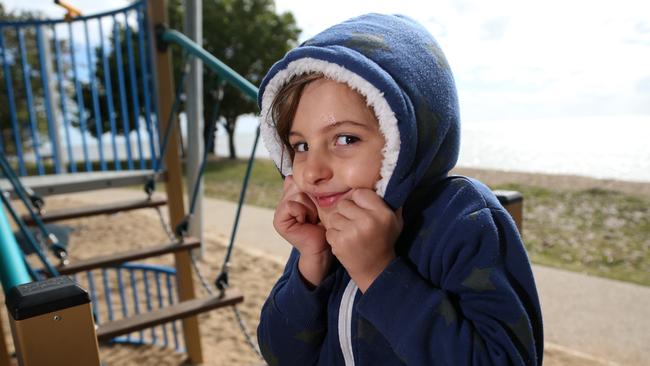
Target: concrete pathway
(596,319)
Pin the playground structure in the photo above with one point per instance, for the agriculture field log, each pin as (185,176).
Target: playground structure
(126,87)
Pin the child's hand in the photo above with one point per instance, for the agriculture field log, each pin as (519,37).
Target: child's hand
(296,220)
(362,233)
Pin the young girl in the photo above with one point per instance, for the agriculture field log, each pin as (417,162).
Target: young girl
(394,261)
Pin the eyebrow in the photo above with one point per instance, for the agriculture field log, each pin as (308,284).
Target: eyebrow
(334,125)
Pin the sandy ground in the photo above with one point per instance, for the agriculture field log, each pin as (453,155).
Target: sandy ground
(254,275)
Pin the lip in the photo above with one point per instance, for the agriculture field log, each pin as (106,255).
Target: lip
(325,200)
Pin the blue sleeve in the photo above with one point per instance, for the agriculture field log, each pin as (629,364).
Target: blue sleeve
(481,307)
(293,320)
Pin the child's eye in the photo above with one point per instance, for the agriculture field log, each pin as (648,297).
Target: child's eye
(300,147)
(346,140)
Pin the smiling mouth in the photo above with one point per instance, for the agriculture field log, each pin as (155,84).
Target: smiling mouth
(328,200)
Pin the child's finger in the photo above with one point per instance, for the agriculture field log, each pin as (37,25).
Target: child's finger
(338,221)
(297,210)
(333,236)
(288,183)
(312,211)
(367,198)
(349,209)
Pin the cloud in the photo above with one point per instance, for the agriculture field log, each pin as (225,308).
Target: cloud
(643,85)
(495,28)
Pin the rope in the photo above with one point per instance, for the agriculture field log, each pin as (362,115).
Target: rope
(242,195)
(21,192)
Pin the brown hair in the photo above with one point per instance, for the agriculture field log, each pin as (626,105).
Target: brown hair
(285,104)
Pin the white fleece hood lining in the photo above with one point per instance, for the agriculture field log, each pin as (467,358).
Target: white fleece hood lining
(374,98)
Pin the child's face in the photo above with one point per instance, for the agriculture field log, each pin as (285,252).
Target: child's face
(337,144)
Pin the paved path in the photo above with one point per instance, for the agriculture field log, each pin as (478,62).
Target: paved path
(593,318)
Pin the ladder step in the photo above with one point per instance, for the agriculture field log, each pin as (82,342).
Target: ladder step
(167,314)
(188,244)
(106,209)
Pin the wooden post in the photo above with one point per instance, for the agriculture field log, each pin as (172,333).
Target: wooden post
(164,84)
(4,351)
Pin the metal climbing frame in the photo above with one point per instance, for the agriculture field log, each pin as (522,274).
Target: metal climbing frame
(78,95)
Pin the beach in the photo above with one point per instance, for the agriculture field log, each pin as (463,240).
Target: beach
(254,272)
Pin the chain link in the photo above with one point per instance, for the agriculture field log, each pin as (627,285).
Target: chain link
(166,227)
(240,320)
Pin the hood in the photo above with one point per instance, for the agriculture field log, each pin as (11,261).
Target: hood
(398,66)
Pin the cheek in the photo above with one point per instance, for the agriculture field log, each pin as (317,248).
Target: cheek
(297,175)
(364,172)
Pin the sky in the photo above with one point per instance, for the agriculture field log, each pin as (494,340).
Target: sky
(511,59)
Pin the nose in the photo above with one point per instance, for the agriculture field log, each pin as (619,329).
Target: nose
(317,169)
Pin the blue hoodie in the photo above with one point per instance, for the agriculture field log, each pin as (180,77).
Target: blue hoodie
(461,290)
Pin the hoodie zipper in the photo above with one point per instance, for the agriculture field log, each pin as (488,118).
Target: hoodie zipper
(345,322)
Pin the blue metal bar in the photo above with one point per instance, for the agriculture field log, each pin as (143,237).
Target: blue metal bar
(62,97)
(13,271)
(120,285)
(21,192)
(32,273)
(134,291)
(30,100)
(93,296)
(80,101)
(12,106)
(48,99)
(149,267)
(242,196)
(170,293)
(152,85)
(123,104)
(172,113)
(81,18)
(134,88)
(31,241)
(107,294)
(147,294)
(160,306)
(144,71)
(211,130)
(96,109)
(136,301)
(109,97)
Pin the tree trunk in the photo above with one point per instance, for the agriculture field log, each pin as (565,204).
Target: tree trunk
(230,128)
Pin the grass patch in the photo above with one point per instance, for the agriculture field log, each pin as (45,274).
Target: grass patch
(224,178)
(600,232)
(596,231)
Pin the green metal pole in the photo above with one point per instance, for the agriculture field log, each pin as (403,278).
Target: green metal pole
(13,271)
